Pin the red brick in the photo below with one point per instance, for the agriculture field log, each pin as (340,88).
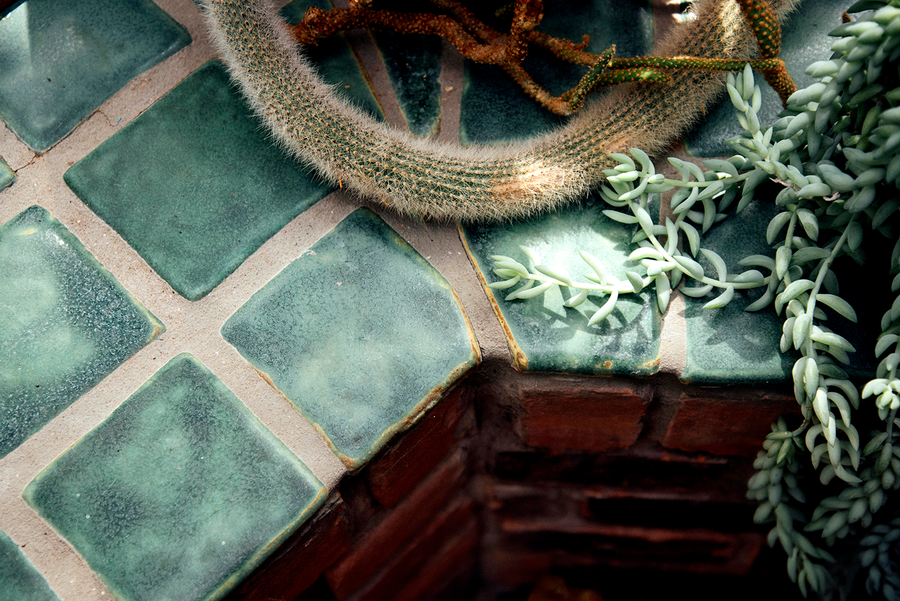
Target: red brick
(458,555)
(300,560)
(401,525)
(725,425)
(457,520)
(515,566)
(551,587)
(627,546)
(397,471)
(595,416)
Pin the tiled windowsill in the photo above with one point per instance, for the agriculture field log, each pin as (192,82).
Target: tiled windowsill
(430,332)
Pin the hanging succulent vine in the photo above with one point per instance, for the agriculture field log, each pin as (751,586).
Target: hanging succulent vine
(834,155)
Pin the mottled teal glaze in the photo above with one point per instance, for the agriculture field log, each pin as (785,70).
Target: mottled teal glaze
(179,494)
(64,58)
(19,580)
(730,345)
(194,184)
(7,175)
(360,334)
(335,61)
(413,64)
(544,335)
(494,107)
(804,41)
(65,323)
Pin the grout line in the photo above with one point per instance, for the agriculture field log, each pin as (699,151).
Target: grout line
(451,82)
(191,327)
(673,338)
(673,331)
(13,150)
(272,409)
(67,573)
(440,245)
(371,64)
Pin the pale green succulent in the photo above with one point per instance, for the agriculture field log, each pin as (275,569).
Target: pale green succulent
(835,157)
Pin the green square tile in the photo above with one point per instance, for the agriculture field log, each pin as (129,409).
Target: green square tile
(494,108)
(195,184)
(63,58)
(65,323)
(730,345)
(7,175)
(360,334)
(335,61)
(805,40)
(542,333)
(180,493)
(19,580)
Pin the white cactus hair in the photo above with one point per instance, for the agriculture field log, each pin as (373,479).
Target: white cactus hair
(436,180)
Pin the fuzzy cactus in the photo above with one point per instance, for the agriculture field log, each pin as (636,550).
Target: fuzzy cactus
(441,181)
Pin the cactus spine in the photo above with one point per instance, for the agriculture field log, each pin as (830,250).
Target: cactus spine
(441,181)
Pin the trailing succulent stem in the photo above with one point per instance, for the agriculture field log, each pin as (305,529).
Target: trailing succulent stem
(433,180)
(834,157)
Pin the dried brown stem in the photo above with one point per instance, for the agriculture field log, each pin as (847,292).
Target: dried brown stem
(479,42)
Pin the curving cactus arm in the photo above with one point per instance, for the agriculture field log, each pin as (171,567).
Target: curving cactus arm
(441,181)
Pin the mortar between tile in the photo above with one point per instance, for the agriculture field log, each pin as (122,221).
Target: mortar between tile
(215,306)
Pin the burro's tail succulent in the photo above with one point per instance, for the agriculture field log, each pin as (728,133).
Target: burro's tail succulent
(442,181)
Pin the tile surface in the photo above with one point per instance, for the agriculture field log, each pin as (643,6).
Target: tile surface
(7,175)
(65,323)
(63,58)
(360,334)
(495,109)
(730,345)
(335,61)
(179,493)
(543,334)
(194,184)
(805,40)
(19,580)
(413,64)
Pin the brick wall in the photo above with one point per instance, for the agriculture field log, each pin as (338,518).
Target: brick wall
(625,487)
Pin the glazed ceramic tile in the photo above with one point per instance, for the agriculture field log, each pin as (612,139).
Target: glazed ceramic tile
(495,109)
(413,64)
(63,58)
(179,493)
(19,580)
(65,324)
(730,345)
(7,175)
(360,334)
(805,40)
(195,185)
(335,61)
(543,334)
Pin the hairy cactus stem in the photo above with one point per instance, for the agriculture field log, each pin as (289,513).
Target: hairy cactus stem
(441,181)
